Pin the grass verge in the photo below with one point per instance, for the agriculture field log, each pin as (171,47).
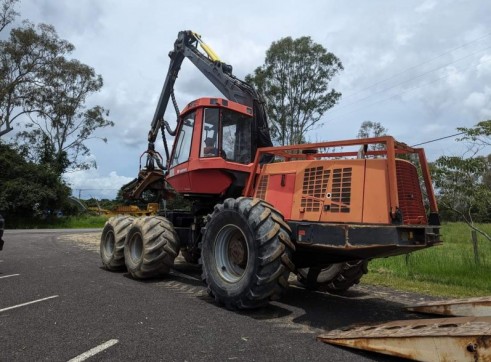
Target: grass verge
(69,222)
(448,270)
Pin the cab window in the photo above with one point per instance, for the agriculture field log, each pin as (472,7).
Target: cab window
(236,136)
(183,145)
(209,133)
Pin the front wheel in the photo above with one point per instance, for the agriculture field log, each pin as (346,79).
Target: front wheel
(246,253)
(150,247)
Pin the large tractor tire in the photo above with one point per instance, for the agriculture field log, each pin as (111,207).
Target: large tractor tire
(246,253)
(334,278)
(150,247)
(112,242)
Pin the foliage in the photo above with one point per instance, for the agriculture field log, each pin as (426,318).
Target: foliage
(294,82)
(479,136)
(28,53)
(463,187)
(370,129)
(28,189)
(463,184)
(7,13)
(37,80)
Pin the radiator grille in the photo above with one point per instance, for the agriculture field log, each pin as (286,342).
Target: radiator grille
(341,190)
(409,191)
(314,189)
(262,187)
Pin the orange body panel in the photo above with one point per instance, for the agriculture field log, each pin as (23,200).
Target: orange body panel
(281,190)
(333,191)
(376,195)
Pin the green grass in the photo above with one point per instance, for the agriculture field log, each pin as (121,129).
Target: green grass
(446,270)
(69,222)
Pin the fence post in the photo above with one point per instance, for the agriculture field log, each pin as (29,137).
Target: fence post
(474,244)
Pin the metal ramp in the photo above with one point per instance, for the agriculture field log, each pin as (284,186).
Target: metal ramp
(441,339)
(472,307)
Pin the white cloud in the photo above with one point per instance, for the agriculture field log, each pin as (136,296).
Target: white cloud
(91,183)
(484,66)
(454,77)
(426,6)
(475,100)
(479,103)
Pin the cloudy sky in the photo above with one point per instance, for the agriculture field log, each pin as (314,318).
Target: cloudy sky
(421,68)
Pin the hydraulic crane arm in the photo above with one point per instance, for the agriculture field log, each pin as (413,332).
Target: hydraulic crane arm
(218,73)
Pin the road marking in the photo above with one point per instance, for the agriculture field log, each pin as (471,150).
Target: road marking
(8,276)
(24,304)
(94,351)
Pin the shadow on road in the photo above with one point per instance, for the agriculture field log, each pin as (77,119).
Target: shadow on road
(321,311)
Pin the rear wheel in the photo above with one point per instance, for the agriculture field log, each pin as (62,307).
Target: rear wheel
(112,242)
(246,253)
(334,278)
(150,247)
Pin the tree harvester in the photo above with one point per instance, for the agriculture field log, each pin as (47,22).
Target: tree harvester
(260,212)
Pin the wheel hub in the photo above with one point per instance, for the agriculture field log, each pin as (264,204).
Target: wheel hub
(231,253)
(109,243)
(136,247)
(237,252)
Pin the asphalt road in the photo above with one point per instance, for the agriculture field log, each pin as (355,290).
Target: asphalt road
(75,306)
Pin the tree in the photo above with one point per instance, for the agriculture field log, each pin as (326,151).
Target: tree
(372,129)
(294,82)
(7,13)
(25,57)
(62,124)
(28,189)
(462,188)
(478,136)
(39,82)
(464,184)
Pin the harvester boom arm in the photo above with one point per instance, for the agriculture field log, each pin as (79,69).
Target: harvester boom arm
(217,72)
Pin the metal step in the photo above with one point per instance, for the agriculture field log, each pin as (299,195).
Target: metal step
(442,339)
(472,307)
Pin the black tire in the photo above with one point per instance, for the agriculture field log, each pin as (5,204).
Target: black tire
(112,242)
(334,278)
(246,253)
(150,247)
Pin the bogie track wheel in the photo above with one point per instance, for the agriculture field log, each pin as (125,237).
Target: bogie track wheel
(246,253)
(150,247)
(112,242)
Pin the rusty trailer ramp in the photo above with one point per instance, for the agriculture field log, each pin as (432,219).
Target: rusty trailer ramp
(471,307)
(441,339)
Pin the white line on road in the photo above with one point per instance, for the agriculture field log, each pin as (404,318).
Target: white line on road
(24,304)
(94,351)
(8,276)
